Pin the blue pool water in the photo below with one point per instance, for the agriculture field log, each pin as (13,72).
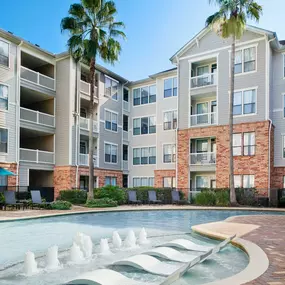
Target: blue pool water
(37,235)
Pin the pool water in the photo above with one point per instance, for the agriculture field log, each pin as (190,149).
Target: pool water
(38,235)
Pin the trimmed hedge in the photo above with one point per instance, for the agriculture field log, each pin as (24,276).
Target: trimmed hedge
(75,197)
(101,203)
(222,198)
(61,205)
(111,192)
(206,198)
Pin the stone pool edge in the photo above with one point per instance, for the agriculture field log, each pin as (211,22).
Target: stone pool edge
(255,253)
(82,211)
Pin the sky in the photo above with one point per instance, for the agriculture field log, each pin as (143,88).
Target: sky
(155,29)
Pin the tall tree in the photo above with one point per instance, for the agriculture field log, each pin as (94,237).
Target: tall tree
(230,22)
(94,33)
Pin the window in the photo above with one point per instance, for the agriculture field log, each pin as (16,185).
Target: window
(111,153)
(3,140)
(111,88)
(125,152)
(283,146)
(236,144)
(143,126)
(111,121)
(126,95)
(283,182)
(248,181)
(144,95)
(145,155)
(4,53)
(83,113)
(109,180)
(169,182)
(143,181)
(237,181)
(169,153)
(3,97)
(170,87)
(244,102)
(284,103)
(125,123)
(245,60)
(83,147)
(249,144)
(248,147)
(170,120)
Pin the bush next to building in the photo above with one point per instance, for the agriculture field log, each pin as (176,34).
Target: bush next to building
(206,198)
(101,203)
(111,192)
(61,205)
(75,197)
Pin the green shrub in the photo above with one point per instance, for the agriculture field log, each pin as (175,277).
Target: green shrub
(111,192)
(2,198)
(101,203)
(246,197)
(75,197)
(206,198)
(222,198)
(61,205)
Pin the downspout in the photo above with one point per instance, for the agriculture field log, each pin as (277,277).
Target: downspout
(177,127)
(268,116)
(18,111)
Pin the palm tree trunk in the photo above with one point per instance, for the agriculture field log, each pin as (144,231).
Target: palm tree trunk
(91,138)
(232,85)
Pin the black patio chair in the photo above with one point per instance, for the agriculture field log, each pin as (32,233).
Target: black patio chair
(132,197)
(37,199)
(152,199)
(176,198)
(10,200)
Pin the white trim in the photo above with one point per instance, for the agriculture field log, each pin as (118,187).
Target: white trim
(140,147)
(172,87)
(111,144)
(283,71)
(168,111)
(202,58)
(149,116)
(141,177)
(112,112)
(111,78)
(9,56)
(222,48)
(8,140)
(283,104)
(162,158)
(282,146)
(140,88)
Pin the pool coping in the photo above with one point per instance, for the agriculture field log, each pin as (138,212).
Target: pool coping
(255,253)
(84,211)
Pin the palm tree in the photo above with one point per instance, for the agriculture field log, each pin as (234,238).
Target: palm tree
(93,33)
(230,22)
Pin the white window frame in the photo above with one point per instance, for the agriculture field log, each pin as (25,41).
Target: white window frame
(112,113)
(173,147)
(172,120)
(140,179)
(242,62)
(173,181)
(117,155)
(172,88)
(140,93)
(140,134)
(140,148)
(243,177)
(6,153)
(112,80)
(4,66)
(111,178)
(8,86)
(242,101)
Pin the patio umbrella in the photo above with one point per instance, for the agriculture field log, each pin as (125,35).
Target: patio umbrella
(5,172)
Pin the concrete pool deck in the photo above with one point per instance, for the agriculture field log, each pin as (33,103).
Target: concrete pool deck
(261,236)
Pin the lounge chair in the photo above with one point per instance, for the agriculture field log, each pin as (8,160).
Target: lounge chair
(132,195)
(175,197)
(10,200)
(152,198)
(37,199)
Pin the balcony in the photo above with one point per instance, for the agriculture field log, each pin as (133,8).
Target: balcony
(37,78)
(203,158)
(203,119)
(36,156)
(37,117)
(85,88)
(84,160)
(126,106)
(85,124)
(208,79)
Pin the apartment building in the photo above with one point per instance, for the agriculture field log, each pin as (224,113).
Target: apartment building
(168,130)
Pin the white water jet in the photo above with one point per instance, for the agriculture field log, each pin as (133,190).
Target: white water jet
(76,255)
(78,239)
(117,241)
(30,264)
(87,246)
(104,246)
(143,237)
(131,239)
(52,261)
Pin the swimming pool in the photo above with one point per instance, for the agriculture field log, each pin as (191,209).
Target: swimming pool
(39,234)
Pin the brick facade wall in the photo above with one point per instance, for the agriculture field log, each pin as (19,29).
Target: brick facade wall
(257,165)
(65,177)
(159,174)
(12,180)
